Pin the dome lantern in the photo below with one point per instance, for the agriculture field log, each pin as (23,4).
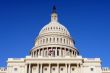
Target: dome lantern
(54,16)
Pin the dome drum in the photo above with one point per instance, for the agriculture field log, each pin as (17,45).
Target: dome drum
(54,39)
(54,52)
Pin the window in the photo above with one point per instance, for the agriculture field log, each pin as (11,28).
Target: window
(64,40)
(50,39)
(72,69)
(53,68)
(15,69)
(92,69)
(53,39)
(57,39)
(57,52)
(46,39)
(43,40)
(45,69)
(61,69)
(61,40)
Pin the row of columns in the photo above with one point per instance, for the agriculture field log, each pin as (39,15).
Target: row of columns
(56,51)
(28,68)
(66,41)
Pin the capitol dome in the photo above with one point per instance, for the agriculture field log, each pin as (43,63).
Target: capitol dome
(54,35)
(54,27)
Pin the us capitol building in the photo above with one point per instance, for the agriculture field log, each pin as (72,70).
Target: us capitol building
(54,52)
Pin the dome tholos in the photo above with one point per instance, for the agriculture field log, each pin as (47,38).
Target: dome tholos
(54,36)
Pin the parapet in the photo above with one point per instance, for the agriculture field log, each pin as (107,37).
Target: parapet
(3,70)
(105,70)
(16,59)
(92,59)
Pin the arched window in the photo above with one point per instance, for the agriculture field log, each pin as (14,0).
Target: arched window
(64,40)
(57,39)
(34,53)
(53,39)
(73,52)
(43,40)
(50,39)
(46,40)
(61,40)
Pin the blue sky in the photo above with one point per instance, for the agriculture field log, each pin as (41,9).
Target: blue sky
(88,21)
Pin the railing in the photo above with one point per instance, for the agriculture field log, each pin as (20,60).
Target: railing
(105,69)
(92,59)
(3,69)
(12,59)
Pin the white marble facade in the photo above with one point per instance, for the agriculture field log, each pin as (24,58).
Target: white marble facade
(54,52)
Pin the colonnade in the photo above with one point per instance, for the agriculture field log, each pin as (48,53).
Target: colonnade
(40,68)
(53,51)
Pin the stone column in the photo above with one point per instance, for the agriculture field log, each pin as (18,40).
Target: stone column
(36,54)
(69,71)
(32,54)
(58,68)
(26,68)
(72,53)
(56,51)
(65,52)
(40,68)
(80,71)
(75,53)
(60,52)
(42,52)
(47,51)
(66,68)
(77,68)
(49,68)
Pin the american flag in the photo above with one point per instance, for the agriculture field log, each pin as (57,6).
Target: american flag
(50,52)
